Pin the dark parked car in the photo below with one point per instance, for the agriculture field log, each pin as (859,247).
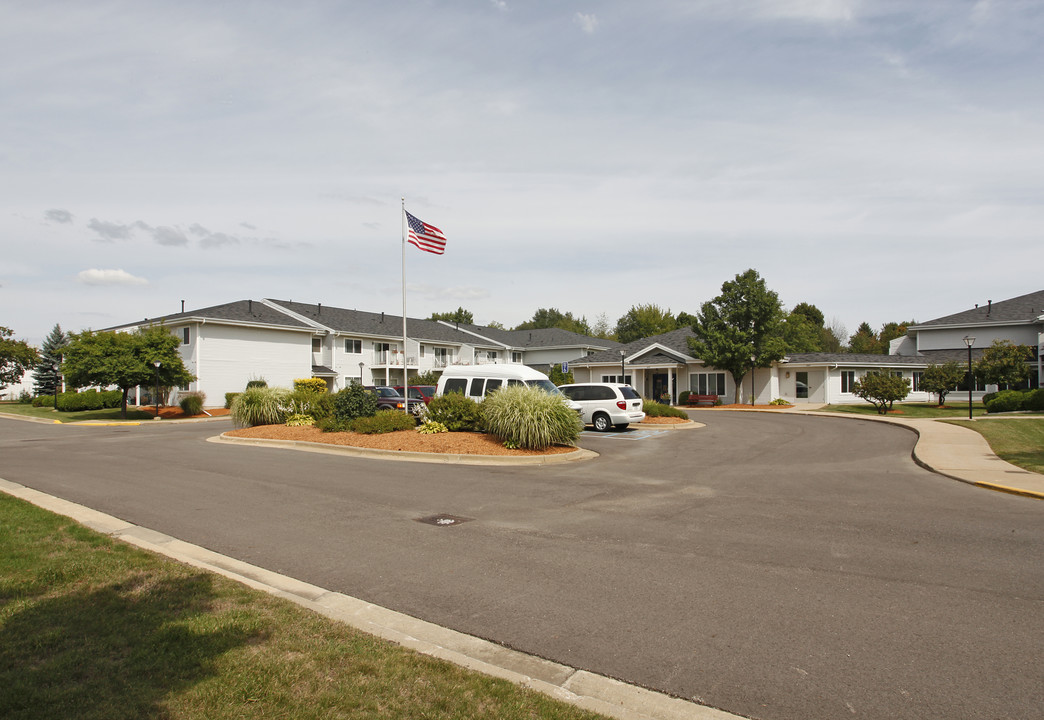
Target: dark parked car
(419,392)
(388,398)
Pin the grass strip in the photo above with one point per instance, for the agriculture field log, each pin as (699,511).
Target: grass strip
(912,410)
(45,413)
(93,628)
(1018,441)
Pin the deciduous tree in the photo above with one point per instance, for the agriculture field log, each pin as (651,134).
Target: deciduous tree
(881,389)
(941,379)
(554,318)
(1004,363)
(125,360)
(740,323)
(459,315)
(643,321)
(16,357)
(864,341)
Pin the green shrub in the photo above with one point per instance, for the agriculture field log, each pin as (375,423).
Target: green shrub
(192,403)
(683,397)
(260,406)
(1005,401)
(354,402)
(456,412)
(1034,400)
(655,409)
(989,396)
(530,418)
(383,422)
(256,383)
(78,402)
(43,401)
(780,401)
(332,424)
(300,421)
(229,397)
(881,389)
(308,402)
(24,397)
(112,398)
(316,385)
(431,377)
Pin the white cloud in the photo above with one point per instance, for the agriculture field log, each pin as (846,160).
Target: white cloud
(59,216)
(96,276)
(587,23)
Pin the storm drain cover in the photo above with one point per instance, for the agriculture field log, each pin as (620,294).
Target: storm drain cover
(443,520)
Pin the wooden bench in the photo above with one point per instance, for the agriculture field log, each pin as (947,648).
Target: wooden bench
(695,400)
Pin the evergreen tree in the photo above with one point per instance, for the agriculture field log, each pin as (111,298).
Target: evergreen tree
(47,374)
(864,341)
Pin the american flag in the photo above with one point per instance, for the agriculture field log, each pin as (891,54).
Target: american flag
(427,237)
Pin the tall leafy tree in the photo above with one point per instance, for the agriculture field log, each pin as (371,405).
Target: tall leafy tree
(47,375)
(643,321)
(459,315)
(800,334)
(554,318)
(1004,363)
(602,328)
(740,323)
(810,312)
(16,357)
(892,330)
(125,360)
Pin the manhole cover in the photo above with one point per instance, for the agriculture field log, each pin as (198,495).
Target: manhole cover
(443,520)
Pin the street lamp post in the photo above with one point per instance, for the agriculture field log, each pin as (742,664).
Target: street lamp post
(156,365)
(360,373)
(969,341)
(752,361)
(54,369)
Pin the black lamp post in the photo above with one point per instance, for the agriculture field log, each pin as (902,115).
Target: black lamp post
(969,341)
(360,373)
(752,361)
(54,369)
(156,365)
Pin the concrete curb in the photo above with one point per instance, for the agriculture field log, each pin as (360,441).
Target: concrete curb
(404,456)
(578,687)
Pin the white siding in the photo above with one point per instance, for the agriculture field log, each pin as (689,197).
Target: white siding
(949,339)
(230,356)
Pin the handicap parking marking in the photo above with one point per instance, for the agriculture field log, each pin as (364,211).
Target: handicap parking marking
(624,434)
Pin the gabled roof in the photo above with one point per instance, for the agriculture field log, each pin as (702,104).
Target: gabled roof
(531,339)
(248,312)
(1022,309)
(677,341)
(376,324)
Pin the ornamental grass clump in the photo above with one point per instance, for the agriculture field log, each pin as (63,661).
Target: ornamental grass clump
(192,403)
(260,406)
(530,418)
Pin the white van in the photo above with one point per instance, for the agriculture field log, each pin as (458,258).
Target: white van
(478,381)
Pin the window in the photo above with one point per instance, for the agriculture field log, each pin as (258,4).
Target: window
(918,378)
(626,379)
(847,380)
(353,347)
(442,356)
(516,357)
(184,336)
(492,384)
(476,388)
(455,385)
(317,345)
(380,352)
(352,380)
(491,355)
(712,383)
(422,351)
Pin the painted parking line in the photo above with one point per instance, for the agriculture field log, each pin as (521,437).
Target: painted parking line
(624,435)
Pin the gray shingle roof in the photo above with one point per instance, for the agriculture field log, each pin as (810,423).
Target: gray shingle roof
(855,359)
(241,311)
(370,323)
(1024,308)
(676,340)
(538,338)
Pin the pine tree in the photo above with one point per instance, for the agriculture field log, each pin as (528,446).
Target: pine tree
(45,376)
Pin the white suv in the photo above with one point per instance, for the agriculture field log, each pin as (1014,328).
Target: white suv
(606,405)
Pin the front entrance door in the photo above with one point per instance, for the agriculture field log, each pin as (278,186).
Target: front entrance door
(661,387)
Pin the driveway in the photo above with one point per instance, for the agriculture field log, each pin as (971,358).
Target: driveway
(772,566)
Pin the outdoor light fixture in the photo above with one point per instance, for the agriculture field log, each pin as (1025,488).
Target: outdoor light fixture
(360,373)
(156,365)
(969,341)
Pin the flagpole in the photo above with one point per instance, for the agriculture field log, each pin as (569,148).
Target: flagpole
(405,370)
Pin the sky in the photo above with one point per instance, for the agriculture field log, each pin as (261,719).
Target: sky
(882,160)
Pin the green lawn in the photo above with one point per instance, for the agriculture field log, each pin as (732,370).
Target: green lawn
(1019,441)
(913,410)
(93,628)
(50,414)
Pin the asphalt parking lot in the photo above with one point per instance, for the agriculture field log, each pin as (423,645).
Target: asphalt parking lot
(775,567)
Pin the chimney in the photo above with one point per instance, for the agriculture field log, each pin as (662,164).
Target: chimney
(989,307)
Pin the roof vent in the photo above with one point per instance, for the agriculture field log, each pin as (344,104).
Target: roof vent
(319,308)
(989,307)
(182,306)
(250,306)
(382,316)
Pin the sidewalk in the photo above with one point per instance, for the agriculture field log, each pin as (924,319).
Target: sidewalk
(954,451)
